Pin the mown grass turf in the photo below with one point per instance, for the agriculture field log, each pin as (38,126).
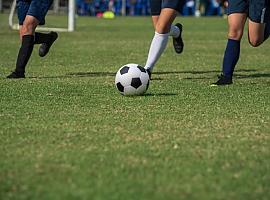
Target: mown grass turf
(66,133)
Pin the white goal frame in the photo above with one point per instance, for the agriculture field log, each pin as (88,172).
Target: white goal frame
(71,19)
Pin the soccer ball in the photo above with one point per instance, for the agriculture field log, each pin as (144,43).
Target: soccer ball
(132,79)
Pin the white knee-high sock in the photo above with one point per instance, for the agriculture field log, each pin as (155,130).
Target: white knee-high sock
(175,31)
(157,47)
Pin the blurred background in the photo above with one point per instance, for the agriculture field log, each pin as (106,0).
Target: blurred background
(129,7)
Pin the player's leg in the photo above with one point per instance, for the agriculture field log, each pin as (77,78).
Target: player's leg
(255,33)
(27,37)
(236,23)
(259,23)
(237,16)
(160,39)
(30,15)
(46,40)
(232,52)
(155,21)
(155,7)
(175,30)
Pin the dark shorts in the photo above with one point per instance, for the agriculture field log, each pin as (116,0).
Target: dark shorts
(35,8)
(257,10)
(157,5)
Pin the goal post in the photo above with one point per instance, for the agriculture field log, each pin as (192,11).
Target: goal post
(71,15)
(70,23)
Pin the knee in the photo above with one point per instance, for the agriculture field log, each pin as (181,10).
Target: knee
(162,28)
(27,29)
(255,42)
(235,34)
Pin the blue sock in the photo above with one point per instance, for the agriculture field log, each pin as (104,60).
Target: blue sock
(231,57)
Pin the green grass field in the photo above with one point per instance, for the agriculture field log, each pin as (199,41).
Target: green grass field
(66,133)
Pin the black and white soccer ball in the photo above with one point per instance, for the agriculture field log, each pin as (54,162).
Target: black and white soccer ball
(132,79)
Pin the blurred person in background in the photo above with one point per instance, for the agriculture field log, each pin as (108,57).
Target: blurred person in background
(132,4)
(100,7)
(117,6)
(189,8)
(84,7)
(224,4)
(213,8)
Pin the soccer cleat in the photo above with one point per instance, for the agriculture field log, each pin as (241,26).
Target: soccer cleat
(15,74)
(178,43)
(45,47)
(223,80)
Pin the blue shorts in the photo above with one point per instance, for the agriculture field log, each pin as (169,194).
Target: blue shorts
(157,5)
(258,11)
(35,8)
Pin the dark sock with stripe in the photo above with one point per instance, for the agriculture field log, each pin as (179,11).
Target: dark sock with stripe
(24,53)
(42,37)
(231,57)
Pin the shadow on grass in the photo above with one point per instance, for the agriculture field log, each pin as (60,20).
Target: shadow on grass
(76,75)
(256,75)
(148,95)
(98,74)
(91,74)
(112,74)
(197,78)
(159,94)
(200,72)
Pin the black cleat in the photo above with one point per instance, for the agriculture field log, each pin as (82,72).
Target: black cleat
(178,43)
(223,80)
(14,75)
(45,47)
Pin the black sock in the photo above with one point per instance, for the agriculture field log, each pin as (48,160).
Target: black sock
(42,37)
(24,53)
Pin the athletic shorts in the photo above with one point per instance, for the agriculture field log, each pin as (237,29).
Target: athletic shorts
(35,8)
(257,10)
(157,5)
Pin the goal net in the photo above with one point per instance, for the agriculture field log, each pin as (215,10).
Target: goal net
(70,23)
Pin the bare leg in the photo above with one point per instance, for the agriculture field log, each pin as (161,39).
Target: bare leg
(255,33)
(236,24)
(29,25)
(165,20)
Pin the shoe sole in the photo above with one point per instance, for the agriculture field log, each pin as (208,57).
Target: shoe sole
(181,39)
